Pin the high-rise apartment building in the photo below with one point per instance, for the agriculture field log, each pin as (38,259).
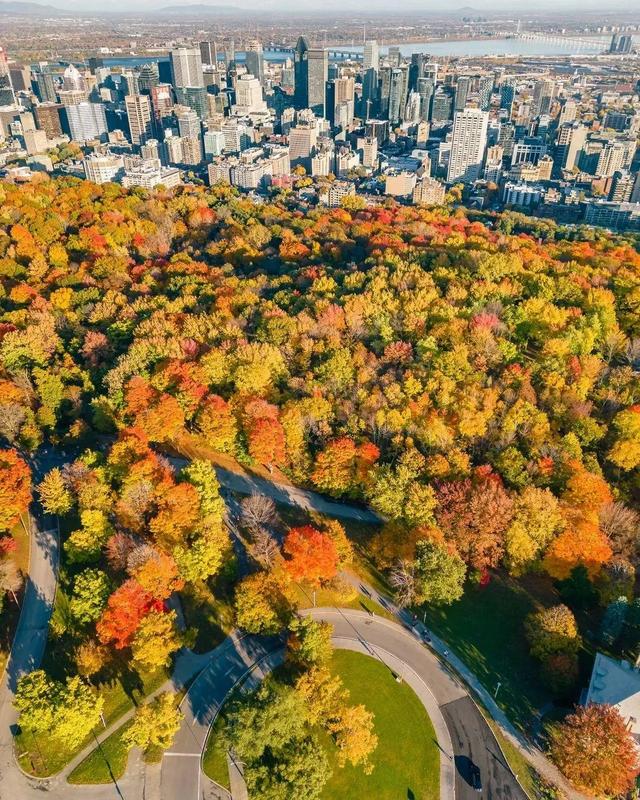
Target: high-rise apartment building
(254,60)
(87,121)
(161,100)
(186,67)
(611,159)
(140,118)
(571,139)
(468,145)
(7,95)
(48,119)
(462,92)
(318,67)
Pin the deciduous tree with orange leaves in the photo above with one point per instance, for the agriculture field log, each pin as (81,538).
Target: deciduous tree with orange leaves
(266,442)
(15,488)
(125,609)
(312,555)
(596,751)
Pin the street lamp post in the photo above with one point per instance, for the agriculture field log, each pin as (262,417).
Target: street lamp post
(497,689)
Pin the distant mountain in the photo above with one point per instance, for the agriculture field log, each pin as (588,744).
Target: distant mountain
(198,8)
(28,9)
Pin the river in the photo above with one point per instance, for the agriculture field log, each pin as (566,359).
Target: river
(466,47)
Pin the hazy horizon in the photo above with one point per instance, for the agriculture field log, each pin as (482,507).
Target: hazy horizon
(356,7)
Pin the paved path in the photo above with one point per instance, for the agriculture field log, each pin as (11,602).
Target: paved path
(464,737)
(28,643)
(531,753)
(220,669)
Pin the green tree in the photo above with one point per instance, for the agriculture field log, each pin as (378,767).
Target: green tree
(439,574)
(551,631)
(91,590)
(54,494)
(310,641)
(156,639)
(155,724)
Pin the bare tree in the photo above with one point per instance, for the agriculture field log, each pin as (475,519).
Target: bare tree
(622,525)
(402,579)
(265,548)
(118,548)
(258,511)
(12,416)
(10,578)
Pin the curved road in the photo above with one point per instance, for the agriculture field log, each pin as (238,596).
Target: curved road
(470,738)
(464,738)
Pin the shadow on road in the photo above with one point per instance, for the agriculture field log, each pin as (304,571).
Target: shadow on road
(464,766)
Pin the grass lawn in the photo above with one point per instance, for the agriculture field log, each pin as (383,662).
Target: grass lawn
(407,761)
(43,756)
(106,763)
(485,629)
(214,760)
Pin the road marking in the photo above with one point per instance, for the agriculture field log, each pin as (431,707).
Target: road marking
(186,755)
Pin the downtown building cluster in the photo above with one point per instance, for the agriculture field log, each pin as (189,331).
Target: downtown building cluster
(327,125)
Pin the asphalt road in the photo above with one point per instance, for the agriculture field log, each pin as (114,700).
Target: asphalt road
(463,736)
(472,741)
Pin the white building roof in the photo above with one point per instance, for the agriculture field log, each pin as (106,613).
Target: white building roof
(616,683)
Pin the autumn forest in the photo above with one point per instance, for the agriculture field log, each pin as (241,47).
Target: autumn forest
(473,380)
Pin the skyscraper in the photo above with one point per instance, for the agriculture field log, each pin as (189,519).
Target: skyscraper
(468,145)
(186,67)
(569,144)
(45,86)
(371,58)
(425,90)
(318,68)
(301,74)
(148,77)
(507,94)
(254,60)
(396,104)
(462,92)
(7,96)
(485,91)
(542,95)
(209,53)
(139,114)
(416,70)
(87,121)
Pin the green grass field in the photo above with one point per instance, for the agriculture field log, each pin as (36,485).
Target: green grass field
(106,763)
(407,762)
(485,628)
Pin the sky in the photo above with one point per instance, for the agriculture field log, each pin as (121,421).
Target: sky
(515,8)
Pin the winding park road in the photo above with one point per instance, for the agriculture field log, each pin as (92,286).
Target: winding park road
(463,735)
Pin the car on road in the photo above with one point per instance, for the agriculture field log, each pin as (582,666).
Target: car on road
(476,781)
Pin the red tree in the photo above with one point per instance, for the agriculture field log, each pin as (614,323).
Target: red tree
(125,608)
(312,555)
